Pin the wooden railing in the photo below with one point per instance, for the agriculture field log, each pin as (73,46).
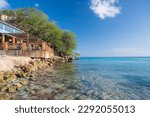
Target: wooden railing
(10,46)
(16,46)
(24,46)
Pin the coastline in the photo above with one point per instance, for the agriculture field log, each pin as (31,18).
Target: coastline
(87,79)
(18,73)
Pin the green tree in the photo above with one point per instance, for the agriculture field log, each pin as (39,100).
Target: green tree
(35,22)
(68,43)
(31,20)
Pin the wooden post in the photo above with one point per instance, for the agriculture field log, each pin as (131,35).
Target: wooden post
(13,40)
(5,46)
(3,38)
(29,46)
(43,45)
(21,40)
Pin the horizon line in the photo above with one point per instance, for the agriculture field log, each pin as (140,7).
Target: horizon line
(117,56)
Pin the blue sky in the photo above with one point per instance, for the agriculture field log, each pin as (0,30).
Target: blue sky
(103,27)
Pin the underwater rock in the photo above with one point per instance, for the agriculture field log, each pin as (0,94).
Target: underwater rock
(12,89)
(69,98)
(9,76)
(24,82)
(4,96)
(3,89)
(19,85)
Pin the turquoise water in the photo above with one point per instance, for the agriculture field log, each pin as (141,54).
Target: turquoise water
(109,78)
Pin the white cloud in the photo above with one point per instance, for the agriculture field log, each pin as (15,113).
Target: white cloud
(105,8)
(3,4)
(36,5)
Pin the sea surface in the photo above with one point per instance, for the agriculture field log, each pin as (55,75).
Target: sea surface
(107,78)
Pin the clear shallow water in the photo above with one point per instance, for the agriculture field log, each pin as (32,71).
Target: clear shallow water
(108,78)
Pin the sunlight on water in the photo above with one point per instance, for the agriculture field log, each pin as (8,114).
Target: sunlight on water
(108,78)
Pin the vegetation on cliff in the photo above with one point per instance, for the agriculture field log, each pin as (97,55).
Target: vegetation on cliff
(36,22)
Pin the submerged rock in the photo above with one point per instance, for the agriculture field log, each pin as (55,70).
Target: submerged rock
(3,89)
(89,92)
(4,96)
(24,82)
(46,94)
(60,90)
(12,89)
(69,98)
(11,77)
(19,86)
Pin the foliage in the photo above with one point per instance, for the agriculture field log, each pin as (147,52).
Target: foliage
(68,43)
(35,22)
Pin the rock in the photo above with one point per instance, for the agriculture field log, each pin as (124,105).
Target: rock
(63,61)
(82,97)
(24,82)
(50,64)
(12,78)
(26,88)
(33,92)
(19,86)
(69,98)
(4,89)
(45,85)
(32,75)
(32,79)
(71,91)
(33,62)
(24,68)
(1,75)
(51,74)
(60,90)
(35,87)
(5,64)
(60,86)
(12,89)
(45,95)
(24,75)
(90,92)
(58,59)
(20,74)
(4,96)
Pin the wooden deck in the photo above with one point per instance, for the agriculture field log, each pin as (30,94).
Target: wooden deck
(24,45)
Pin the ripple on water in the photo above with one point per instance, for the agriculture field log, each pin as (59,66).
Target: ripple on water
(96,78)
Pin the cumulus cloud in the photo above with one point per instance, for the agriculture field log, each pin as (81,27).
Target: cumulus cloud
(3,4)
(105,8)
(37,5)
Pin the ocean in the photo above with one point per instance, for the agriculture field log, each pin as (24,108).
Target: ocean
(107,78)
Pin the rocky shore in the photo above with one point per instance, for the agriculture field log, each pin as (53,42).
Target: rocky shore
(21,77)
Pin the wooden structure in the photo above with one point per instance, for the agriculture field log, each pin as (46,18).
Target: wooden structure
(16,42)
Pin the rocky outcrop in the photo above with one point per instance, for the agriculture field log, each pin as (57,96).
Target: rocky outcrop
(8,63)
(69,58)
(22,77)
